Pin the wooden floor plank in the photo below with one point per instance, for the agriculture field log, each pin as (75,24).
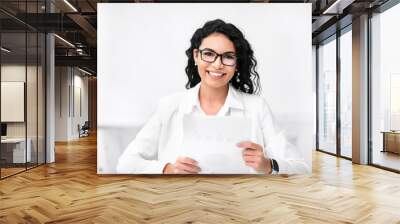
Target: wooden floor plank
(70,191)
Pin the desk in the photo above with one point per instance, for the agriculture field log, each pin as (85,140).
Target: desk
(13,150)
(391,141)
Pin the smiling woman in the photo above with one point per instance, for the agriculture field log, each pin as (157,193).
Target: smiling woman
(218,39)
(222,82)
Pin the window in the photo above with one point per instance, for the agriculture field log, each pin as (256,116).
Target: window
(346,94)
(385,88)
(327,96)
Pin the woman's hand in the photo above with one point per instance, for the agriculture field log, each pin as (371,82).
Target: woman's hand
(253,156)
(182,165)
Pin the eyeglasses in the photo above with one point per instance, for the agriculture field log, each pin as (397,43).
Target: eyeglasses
(209,55)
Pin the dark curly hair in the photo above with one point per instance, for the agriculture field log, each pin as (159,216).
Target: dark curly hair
(246,78)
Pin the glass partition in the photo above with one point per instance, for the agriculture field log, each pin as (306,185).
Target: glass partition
(346,94)
(13,109)
(385,89)
(327,96)
(22,77)
(32,73)
(41,109)
(32,95)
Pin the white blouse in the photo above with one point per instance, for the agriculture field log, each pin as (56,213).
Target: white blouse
(159,141)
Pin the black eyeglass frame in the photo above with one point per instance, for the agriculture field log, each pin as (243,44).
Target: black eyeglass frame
(218,55)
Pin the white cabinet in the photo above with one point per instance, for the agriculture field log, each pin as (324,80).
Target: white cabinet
(18,149)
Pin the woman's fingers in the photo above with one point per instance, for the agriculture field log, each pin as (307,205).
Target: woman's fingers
(179,171)
(252,159)
(187,160)
(252,152)
(254,162)
(186,165)
(253,155)
(250,148)
(251,164)
(249,145)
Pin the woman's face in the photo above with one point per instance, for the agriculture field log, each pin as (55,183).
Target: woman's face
(216,60)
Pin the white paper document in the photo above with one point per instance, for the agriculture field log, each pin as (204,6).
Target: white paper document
(211,141)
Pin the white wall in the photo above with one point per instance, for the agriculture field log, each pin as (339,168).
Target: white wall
(61,103)
(80,84)
(68,82)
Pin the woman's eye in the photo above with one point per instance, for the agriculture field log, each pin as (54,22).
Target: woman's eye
(230,57)
(208,54)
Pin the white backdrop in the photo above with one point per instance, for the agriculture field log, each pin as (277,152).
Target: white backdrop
(141,57)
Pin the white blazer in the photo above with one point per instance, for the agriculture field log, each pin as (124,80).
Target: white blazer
(159,141)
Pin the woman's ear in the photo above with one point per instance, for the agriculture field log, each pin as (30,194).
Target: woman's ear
(195,55)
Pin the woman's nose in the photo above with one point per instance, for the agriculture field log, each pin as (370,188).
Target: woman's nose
(218,62)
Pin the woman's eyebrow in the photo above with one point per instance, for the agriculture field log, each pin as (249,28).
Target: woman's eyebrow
(227,52)
(209,49)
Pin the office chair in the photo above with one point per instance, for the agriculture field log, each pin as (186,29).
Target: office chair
(84,130)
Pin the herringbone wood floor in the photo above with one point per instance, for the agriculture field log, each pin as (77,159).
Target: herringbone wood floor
(70,191)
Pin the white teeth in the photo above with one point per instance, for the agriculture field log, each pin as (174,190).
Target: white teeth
(215,74)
